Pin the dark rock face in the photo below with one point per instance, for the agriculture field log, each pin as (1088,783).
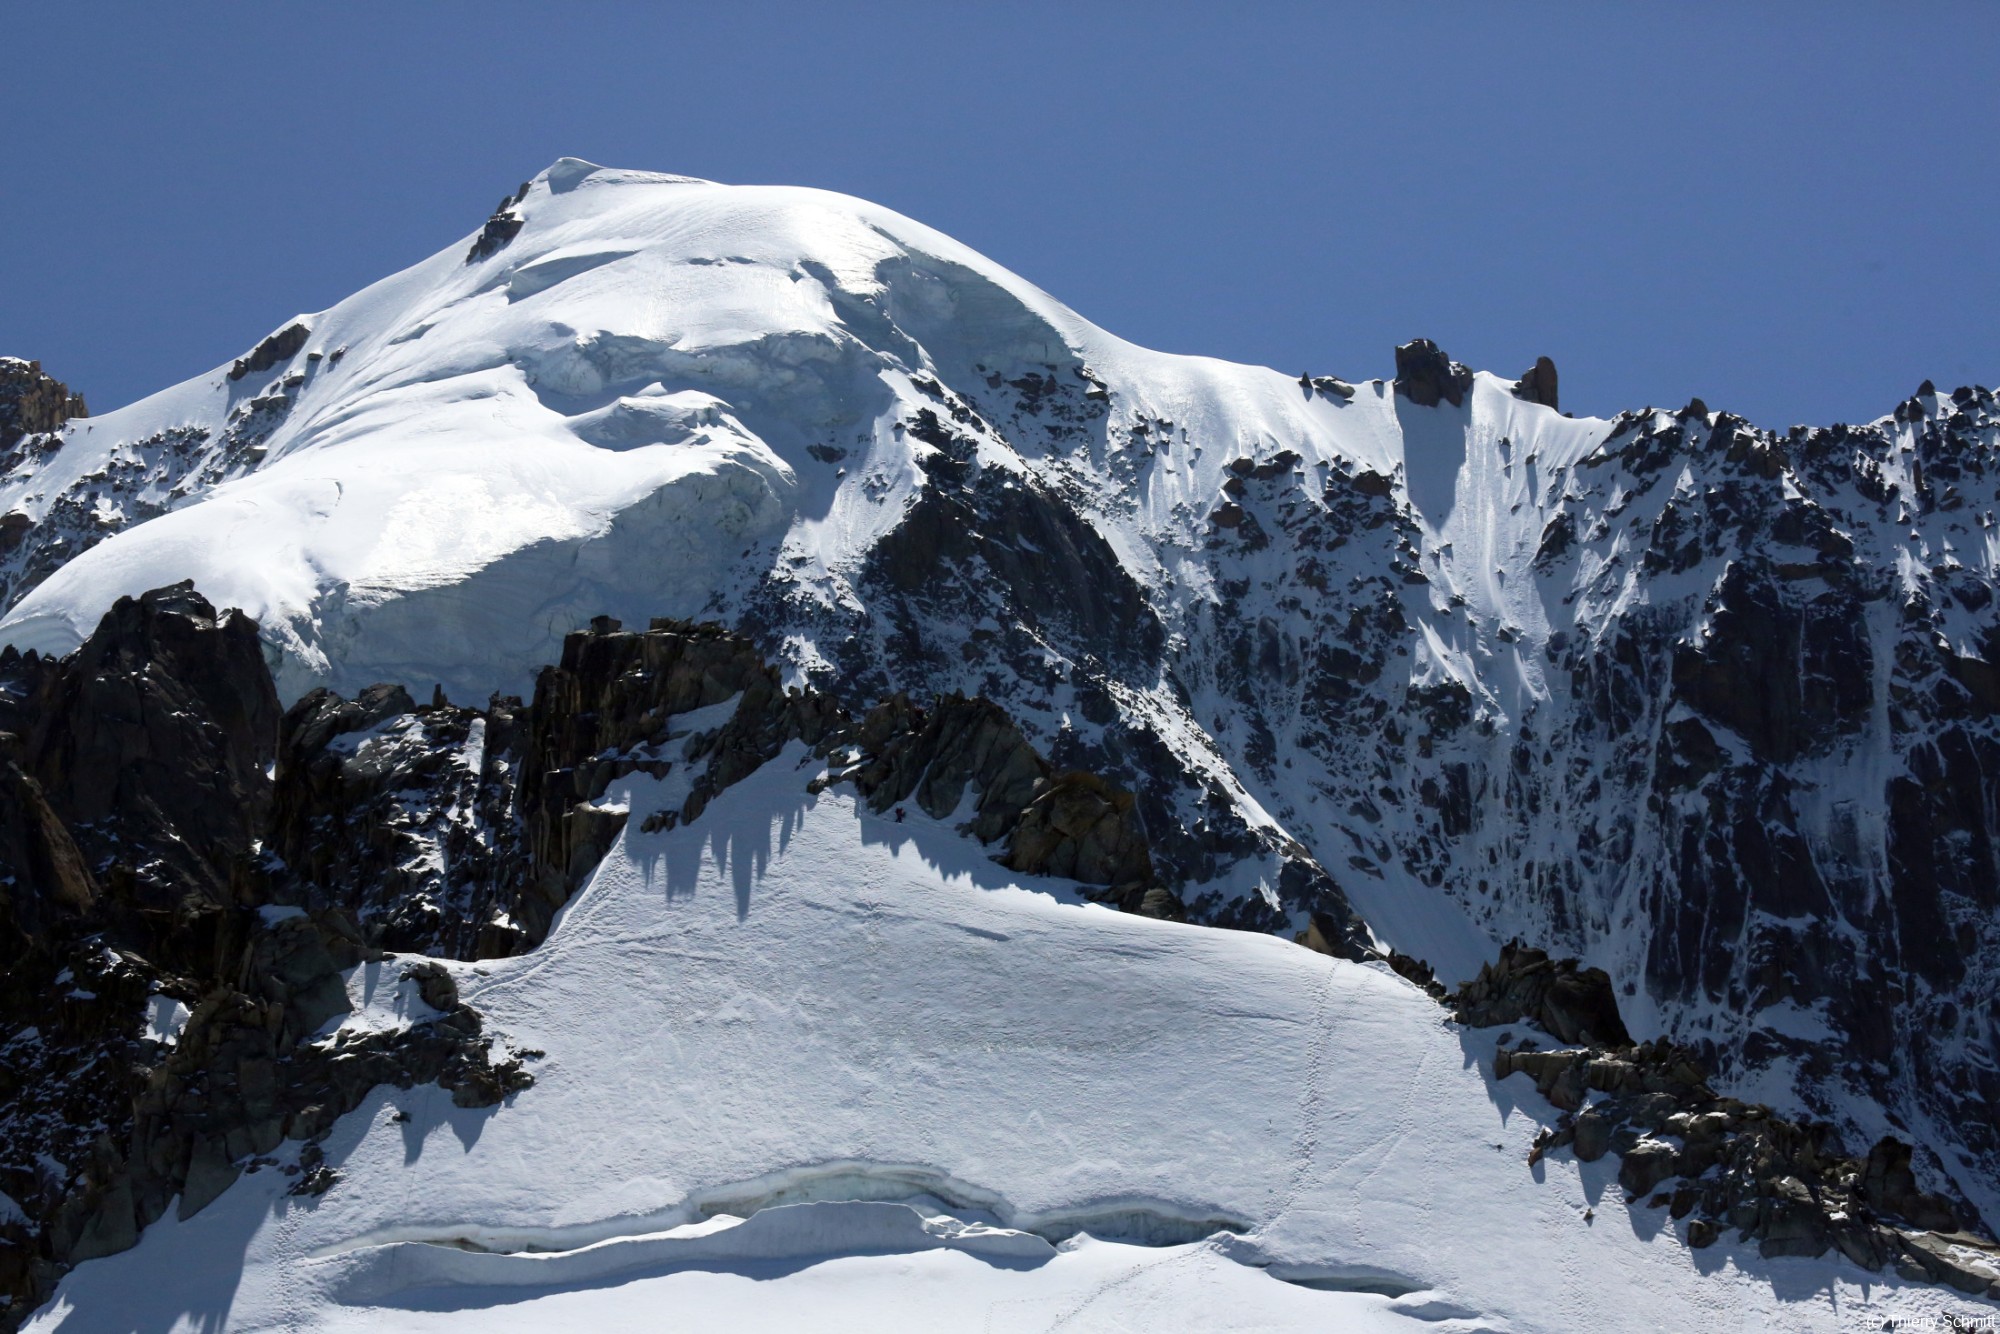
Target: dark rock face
(135,786)
(1791,771)
(31,403)
(1786,1184)
(156,743)
(1073,826)
(1070,825)
(1575,1004)
(362,785)
(978,540)
(930,755)
(1539,384)
(54,881)
(461,832)
(1426,376)
(402,815)
(615,705)
(1080,827)
(283,345)
(502,227)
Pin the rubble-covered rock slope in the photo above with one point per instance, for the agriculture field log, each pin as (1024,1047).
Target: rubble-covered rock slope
(1787,1184)
(1403,667)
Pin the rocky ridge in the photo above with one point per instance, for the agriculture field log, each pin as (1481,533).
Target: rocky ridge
(1717,1162)
(33,408)
(32,402)
(461,832)
(144,477)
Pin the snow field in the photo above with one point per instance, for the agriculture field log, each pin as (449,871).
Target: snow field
(792,1006)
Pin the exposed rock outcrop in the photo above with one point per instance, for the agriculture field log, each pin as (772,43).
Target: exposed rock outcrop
(1575,1004)
(1716,1161)
(1329,385)
(156,742)
(134,795)
(403,816)
(932,755)
(615,705)
(1071,825)
(32,403)
(502,227)
(277,347)
(1538,385)
(53,881)
(1081,828)
(1426,376)
(1785,1184)
(461,832)
(246,1075)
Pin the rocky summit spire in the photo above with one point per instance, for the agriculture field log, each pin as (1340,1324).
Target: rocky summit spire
(1538,385)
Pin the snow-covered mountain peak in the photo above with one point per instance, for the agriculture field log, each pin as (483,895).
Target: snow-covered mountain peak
(1660,690)
(495,416)
(1394,668)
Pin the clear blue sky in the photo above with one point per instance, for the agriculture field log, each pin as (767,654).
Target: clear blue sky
(1791,210)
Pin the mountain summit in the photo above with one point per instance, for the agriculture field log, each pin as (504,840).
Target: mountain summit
(1402,668)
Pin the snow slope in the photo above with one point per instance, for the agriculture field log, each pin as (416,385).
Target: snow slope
(791,1008)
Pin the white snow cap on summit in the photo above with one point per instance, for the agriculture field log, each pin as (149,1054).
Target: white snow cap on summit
(463,462)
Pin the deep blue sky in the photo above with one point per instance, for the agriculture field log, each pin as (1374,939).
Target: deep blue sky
(1790,210)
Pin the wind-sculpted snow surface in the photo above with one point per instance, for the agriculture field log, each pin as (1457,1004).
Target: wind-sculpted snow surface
(1710,707)
(938,1089)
